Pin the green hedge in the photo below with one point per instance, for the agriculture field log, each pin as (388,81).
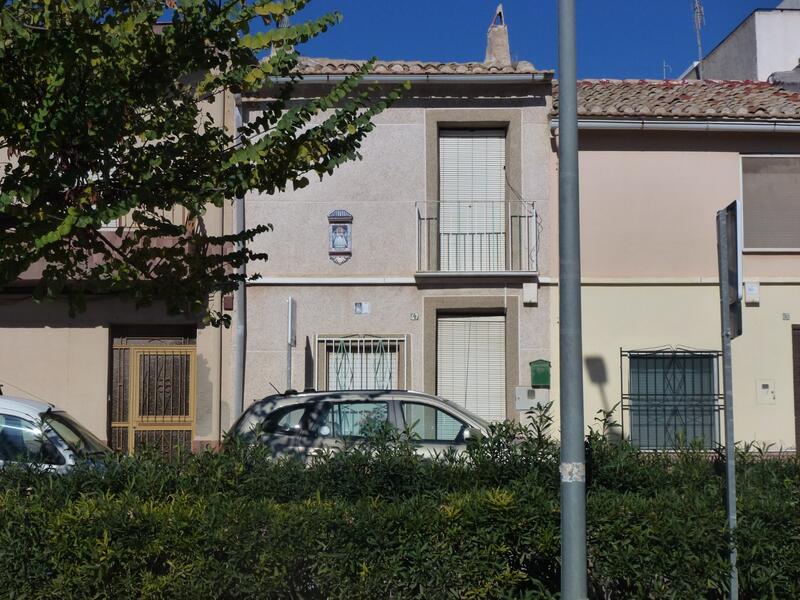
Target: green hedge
(376,521)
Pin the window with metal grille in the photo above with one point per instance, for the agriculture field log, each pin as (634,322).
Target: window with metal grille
(771,202)
(472,209)
(361,362)
(672,398)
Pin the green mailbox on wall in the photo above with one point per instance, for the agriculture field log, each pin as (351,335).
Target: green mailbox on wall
(540,374)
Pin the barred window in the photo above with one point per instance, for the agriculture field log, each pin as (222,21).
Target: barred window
(672,399)
(361,362)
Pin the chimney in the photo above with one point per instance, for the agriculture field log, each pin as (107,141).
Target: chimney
(497,51)
(787,80)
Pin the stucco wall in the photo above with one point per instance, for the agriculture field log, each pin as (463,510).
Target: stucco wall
(395,310)
(778,35)
(45,354)
(382,190)
(736,56)
(648,204)
(638,317)
(399,169)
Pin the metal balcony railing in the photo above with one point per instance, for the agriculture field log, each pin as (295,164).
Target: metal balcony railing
(476,237)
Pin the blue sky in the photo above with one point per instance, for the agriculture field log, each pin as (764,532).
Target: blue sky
(617,38)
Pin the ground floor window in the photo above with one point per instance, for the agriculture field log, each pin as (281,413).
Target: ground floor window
(471,363)
(362,362)
(672,397)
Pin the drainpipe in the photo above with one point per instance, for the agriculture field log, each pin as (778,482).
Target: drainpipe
(573,460)
(240,296)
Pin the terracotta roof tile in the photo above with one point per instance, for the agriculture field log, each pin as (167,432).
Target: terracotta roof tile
(684,99)
(331,66)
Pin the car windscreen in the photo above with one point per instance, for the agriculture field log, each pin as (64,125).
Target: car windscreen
(79,439)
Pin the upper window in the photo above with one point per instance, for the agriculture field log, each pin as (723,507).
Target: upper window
(673,399)
(771,199)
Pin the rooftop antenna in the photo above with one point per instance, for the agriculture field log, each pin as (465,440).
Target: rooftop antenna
(665,67)
(699,21)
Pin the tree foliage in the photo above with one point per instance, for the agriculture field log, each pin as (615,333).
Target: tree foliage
(105,115)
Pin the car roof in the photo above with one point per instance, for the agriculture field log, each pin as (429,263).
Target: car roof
(296,397)
(25,405)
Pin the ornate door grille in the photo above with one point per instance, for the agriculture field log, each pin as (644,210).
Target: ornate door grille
(153,397)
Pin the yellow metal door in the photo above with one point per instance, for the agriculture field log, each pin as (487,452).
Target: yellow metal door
(153,397)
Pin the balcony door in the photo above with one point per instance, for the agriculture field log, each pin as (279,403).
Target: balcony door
(472,207)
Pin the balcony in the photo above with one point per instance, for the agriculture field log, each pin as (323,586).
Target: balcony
(476,238)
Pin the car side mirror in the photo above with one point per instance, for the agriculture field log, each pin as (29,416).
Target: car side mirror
(324,431)
(472,433)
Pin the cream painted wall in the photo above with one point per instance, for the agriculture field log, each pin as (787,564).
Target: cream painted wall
(68,367)
(648,204)
(636,317)
(45,354)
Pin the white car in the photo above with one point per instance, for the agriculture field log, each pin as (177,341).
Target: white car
(303,424)
(38,433)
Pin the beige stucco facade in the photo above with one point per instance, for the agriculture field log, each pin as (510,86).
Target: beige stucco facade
(47,355)
(385,192)
(649,267)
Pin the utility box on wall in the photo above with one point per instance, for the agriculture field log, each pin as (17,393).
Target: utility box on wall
(539,393)
(540,374)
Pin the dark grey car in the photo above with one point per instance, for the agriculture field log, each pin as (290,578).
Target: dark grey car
(302,424)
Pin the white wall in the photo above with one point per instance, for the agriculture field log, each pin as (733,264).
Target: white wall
(778,35)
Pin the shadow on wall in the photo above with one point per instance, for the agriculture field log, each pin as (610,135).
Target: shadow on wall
(598,375)
(309,366)
(204,402)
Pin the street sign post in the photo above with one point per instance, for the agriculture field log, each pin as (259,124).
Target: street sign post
(729,253)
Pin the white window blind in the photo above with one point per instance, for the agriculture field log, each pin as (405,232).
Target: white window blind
(471,363)
(472,211)
(771,198)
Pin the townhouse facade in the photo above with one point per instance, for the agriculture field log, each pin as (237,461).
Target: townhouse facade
(418,266)
(658,159)
(133,377)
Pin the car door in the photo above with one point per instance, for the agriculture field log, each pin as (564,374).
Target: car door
(347,421)
(288,430)
(435,429)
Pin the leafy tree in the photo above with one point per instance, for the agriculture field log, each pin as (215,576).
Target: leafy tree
(104,115)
